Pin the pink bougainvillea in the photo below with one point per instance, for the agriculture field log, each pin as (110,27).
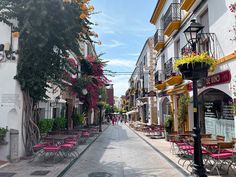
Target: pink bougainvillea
(95,79)
(232,7)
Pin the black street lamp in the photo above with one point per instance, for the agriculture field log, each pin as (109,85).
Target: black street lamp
(198,167)
(191,33)
(100,116)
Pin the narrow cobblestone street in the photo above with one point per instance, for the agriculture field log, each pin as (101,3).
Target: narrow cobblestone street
(119,152)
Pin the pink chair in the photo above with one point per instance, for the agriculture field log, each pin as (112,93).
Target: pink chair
(52,151)
(69,149)
(221,156)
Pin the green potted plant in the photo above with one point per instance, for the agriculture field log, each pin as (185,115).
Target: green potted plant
(59,123)
(195,66)
(3,132)
(168,125)
(45,126)
(79,119)
(182,112)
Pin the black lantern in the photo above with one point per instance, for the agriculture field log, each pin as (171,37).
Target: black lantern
(191,33)
(196,72)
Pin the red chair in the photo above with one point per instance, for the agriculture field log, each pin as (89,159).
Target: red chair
(84,136)
(221,156)
(37,150)
(52,151)
(69,149)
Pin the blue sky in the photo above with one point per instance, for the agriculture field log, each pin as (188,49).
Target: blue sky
(123,27)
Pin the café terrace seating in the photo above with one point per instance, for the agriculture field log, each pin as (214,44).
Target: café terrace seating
(61,144)
(148,130)
(218,156)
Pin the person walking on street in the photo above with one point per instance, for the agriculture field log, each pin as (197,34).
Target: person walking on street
(113,120)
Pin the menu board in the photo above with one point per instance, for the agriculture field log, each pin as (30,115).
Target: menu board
(228,112)
(209,110)
(218,110)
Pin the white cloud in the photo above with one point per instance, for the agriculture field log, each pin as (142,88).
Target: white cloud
(113,44)
(106,24)
(120,84)
(121,63)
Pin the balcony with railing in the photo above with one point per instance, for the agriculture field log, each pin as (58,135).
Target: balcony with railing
(159,40)
(172,76)
(172,19)
(186,4)
(159,80)
(207,42)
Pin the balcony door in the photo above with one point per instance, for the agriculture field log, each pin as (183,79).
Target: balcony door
(204,20)
(205,41)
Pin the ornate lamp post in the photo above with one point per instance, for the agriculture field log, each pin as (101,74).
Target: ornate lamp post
(100,106)
(84,91)
(191,36)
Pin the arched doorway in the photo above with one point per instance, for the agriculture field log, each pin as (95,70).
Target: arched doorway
(165,110)
(216,113)
(12,119)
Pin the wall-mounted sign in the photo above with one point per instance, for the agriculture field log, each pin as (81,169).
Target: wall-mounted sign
(219,78)
(216,79)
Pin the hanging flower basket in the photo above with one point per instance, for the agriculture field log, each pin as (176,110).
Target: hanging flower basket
(194,71)
(195,66)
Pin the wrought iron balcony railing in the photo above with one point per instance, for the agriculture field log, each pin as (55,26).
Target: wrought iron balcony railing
(172,14)
(169,69)
(158,37)
(159,76)
(206,43)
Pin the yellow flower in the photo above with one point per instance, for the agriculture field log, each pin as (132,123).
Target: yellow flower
(192,58)
(84,7)
(90,8)
(83,16)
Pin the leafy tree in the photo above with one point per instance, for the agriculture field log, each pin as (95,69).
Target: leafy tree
(93,79)
(49,31)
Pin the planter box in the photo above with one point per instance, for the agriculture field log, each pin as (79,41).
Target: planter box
(194,71)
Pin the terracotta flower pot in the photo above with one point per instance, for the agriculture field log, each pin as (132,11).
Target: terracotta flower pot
(194,71)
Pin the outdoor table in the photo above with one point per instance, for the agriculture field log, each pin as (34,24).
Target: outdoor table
(210,144)
(185,135)
(58,138)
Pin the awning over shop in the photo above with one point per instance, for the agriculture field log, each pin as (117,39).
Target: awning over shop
(182,88)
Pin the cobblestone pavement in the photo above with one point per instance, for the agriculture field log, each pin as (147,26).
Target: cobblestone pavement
(119,152)
(26,168)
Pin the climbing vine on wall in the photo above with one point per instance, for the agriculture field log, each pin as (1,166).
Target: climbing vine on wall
(92,78)
(49,31)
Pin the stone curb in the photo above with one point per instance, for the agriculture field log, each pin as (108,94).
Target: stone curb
(172,163)
(63,172)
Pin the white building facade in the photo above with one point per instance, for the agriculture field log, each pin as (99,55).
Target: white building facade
(216,94)
(11,101)
(142,85)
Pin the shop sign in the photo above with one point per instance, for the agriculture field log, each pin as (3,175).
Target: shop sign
(219,78)
(190,86)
